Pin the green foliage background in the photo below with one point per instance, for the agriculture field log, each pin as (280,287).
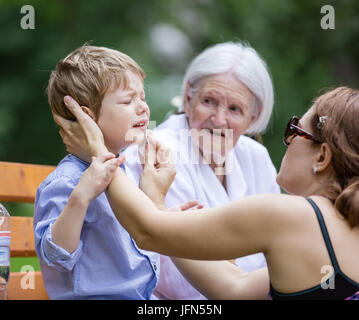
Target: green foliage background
(303,59)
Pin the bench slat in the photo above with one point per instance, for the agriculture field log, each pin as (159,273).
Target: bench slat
(22,242)
(19,181)
(21,291)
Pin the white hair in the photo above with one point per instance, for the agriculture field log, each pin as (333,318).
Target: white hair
(246,65)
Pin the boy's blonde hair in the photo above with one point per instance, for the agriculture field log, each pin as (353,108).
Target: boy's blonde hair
(87,74)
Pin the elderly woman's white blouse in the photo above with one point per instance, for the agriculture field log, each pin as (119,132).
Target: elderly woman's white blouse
(250,171)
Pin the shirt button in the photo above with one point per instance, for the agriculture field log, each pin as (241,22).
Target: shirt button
(154,267)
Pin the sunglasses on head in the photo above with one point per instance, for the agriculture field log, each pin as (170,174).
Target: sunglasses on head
(293,130)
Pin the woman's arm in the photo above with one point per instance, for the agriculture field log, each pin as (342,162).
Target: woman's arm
(222,280)
(236,229)
(240,228)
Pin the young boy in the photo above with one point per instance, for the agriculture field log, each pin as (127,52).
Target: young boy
(84,252)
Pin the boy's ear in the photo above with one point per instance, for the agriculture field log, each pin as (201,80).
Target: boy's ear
(89,112)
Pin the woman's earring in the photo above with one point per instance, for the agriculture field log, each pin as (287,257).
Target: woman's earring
(315,169)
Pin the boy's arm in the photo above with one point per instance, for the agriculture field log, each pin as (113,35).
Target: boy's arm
(66,230)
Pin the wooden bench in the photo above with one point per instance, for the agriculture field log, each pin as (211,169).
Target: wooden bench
(18,183)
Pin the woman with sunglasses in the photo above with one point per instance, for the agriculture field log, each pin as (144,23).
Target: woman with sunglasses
(309,236)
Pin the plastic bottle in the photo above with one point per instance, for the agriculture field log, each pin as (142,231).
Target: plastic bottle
(4,251)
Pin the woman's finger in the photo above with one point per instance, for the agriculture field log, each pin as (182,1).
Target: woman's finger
(189,205)
(149,136)
(118,162)
(112,164)
(105,156)
(160,149)
(164,157)
(157,148)
(150,152)
(186,206)
(121,159)
(76,109)
(64,135)
(61,122)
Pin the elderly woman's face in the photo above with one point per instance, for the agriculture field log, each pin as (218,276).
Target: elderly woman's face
(221,109)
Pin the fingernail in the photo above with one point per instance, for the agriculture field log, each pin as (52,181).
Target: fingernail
(67,99)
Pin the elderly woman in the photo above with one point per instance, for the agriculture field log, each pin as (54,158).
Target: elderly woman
(227,92)
(309,237)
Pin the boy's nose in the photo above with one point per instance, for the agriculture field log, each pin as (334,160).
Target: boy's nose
(142,107)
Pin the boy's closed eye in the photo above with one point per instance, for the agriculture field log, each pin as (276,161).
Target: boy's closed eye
(126,100)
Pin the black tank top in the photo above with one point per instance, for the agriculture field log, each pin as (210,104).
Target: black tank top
(337,287)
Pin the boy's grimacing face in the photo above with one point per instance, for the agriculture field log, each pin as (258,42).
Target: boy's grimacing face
(124,114)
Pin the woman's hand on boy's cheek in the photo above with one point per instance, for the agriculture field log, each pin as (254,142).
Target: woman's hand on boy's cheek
(90,135)
(83,137)
(73,138)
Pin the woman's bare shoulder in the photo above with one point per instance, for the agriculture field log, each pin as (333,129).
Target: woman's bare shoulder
(275,203)
(276,210)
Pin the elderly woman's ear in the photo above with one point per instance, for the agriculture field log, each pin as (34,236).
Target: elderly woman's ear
(256,110)
(187,98)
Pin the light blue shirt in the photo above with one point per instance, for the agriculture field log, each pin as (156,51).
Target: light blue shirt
(107,263)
